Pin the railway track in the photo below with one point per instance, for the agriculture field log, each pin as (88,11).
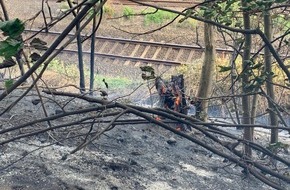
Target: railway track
(163,3)
(133,52)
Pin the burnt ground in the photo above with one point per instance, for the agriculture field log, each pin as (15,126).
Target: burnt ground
(127,157)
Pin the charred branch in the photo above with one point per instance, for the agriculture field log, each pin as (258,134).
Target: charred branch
(215,139)
(229,151)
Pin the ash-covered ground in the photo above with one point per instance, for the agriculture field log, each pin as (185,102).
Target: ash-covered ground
(141,156)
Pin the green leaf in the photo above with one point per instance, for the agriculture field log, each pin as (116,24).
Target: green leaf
(240,40)
(228,5)
(37,41)
(250,87)
(9,47)
(228,22)
(259,65)
(147,69)
(38,44)
(274,147)
(224,68)
(34,57)
(148,72)
(260,80)
(7,63)
(8,83)
(188,13)
(12,28)
(280,1)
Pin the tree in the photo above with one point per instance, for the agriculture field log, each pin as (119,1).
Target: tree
(248,133)
(49,54)
(207,72)
(80,53)
(268,71)
(5,13)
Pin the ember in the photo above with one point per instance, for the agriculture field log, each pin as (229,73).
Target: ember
(172,96)
(172,93)
(158,118)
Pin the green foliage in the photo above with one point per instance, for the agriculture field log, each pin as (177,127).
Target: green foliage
(257,75)
(128,12)
(224,68)
(148,72)
(71,71)
(12,42)
(261,5)
(9,47)
(278,146)
(108,10)
(188,23)
(8,83)
(159,17)
(7,63)
(229,12)
(191,74)
(64,6)
(115,82)
(282,21)
(224,12)
(38,44)
(34,56)
(12,28)
(91,12)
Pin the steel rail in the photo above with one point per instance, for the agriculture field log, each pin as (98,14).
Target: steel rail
(148,44)
(178,49)
(142,42)
(166,3)
(123,40)
(114,56)
(124,57)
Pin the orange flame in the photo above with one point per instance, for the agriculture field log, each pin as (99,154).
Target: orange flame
(177,103)
(177,100)
(157,118)
(163,90)
(178,128)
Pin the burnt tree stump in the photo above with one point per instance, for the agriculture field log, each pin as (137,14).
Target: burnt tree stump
(171,94)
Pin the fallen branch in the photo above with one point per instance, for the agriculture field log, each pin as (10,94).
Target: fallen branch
(215,139)
(248,164)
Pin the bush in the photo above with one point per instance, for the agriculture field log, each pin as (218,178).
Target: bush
(159,17)
(128,12)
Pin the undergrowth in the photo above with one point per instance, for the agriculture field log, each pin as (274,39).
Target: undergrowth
(70,71)
(222,84)
(159,17)
(128,12)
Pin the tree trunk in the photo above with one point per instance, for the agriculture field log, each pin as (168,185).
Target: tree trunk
(92,61)
(248,135)
(5,13)
(269,84)
(81,62)
(80,53)
(234,75)
(207,72)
